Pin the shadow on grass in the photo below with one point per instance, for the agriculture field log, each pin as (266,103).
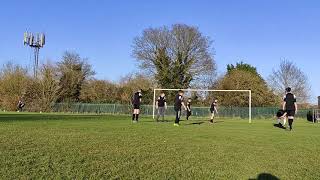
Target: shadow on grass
(39,117)
(195,123)
(279,126)
(266,176)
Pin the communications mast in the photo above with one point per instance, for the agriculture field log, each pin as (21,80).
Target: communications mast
(35,41)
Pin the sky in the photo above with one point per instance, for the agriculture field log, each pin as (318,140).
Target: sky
(256,32)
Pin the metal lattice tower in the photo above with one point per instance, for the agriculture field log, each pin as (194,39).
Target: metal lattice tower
(35,41)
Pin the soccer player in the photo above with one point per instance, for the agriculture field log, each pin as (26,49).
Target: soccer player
(281,115)
(290,106)
(213,110)
(189,108)
(178,103)
(161,105)
(20,105)
(136,101)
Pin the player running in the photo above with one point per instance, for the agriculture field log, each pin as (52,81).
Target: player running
(178,103)
(136,101)
(189,108)
(290,106)
(161,105)
(213,110)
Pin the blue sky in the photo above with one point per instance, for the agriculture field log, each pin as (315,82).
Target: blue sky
(257,32)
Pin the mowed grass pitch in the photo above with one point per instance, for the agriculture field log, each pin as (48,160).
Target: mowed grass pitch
(34,146)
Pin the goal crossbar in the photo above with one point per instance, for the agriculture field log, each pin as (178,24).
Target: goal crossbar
(205,90)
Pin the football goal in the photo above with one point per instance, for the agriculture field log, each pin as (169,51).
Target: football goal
(233,96)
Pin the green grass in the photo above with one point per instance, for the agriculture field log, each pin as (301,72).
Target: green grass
(44,146)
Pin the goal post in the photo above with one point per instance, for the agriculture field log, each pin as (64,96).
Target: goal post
(203,90)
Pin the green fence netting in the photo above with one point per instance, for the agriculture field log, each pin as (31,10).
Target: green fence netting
(239,112)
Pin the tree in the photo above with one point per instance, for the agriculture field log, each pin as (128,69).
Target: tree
(289,75)
(14,80)
(175,57)
(49,84)
(73,70)
(133,82)
(239,79)
(99,91)
(42,92)
(244,67)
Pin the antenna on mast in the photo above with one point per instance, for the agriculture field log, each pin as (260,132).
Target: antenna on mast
(35,41)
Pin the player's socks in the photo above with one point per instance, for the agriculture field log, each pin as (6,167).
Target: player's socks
(133,117)
(137,117)
(278,121)
(290,123)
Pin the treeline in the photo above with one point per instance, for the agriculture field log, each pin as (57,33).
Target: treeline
(71,80)
(67,81)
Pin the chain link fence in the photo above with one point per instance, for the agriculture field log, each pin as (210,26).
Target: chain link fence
(230,112)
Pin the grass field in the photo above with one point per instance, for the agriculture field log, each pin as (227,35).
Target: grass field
(43,146)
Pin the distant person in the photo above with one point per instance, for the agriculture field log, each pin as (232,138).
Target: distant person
(290,106)
(161,106)
(213,110)
(20,105)
(136,102)
(178,103)
(189,108)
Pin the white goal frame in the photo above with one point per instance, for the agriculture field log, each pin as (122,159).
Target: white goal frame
(202,90)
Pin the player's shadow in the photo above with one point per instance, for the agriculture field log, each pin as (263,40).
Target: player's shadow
(266,176)
(218,122)
(194,123)
(279,126)
(202,122)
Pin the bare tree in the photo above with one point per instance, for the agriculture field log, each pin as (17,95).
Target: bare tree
(14,81)
(289,75)
(175,56)
(73,70)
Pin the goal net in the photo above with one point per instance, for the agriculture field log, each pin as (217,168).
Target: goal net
(231,103)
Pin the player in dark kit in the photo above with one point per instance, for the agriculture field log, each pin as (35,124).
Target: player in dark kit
(136,101)
(161,105)
(213,110)
(178,103)
(290,106)
(188,108)
(20,106)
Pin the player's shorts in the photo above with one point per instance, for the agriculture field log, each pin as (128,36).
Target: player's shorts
(136,106)
(291,113)
(177,109)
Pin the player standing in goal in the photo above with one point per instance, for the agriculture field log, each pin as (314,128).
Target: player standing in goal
(178,103)
(136,101)
(290,106)
(213,110)
(161,105)
(188,108)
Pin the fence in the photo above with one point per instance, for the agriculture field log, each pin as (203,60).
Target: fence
(241,112)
